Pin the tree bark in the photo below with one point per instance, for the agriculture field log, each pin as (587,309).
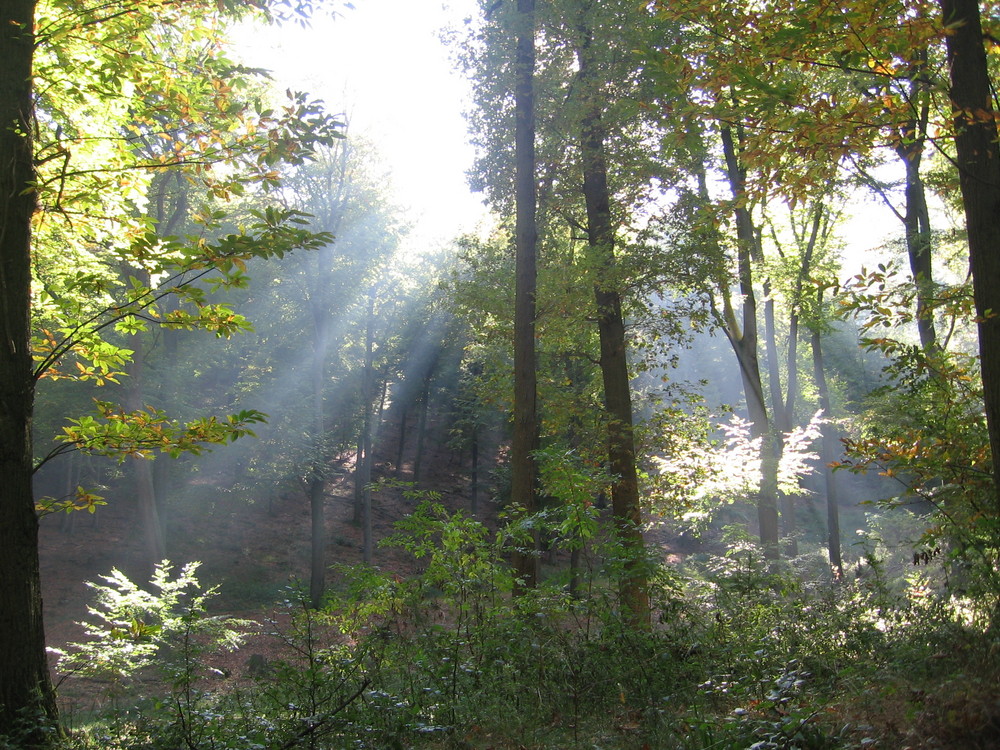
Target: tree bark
(424,405)
(317,472)
(145,486)
(401,443)
(781,416)
(626,509)
(25,687)
(978,160)
(363,471)
(745,345)
(524,440)
(827,455)
(917,219)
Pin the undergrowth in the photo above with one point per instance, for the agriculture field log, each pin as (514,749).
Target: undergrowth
(740,655)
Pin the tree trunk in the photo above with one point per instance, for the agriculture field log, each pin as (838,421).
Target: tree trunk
(978,160)
(783,410)
(317,517)
(828,455)
(359,460)
(745,345)
(149,513)
(401,445)
(25,686)
(916,219)
(363,473)
(524,440)
(145,487)
(317,472)
(474,478)
(625,504)
(418,459)
(782,418)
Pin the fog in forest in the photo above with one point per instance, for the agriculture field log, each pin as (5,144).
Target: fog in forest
(499,374)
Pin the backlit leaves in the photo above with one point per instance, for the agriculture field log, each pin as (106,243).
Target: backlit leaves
(120,433)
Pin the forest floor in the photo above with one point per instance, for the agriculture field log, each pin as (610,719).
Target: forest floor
(252,550)
(255,550)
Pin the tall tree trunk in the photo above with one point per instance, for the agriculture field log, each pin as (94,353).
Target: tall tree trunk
(149,513)
(363,472)
(782,420)
(745,345)
(783,409)
(917,225)
(781,417)
(614,357)
(524,440)
(425,396)
(142,468)
(318,471)
(401,444)
(25,686)
(317,524)
(827,453)
(474,473)
(978,158)
(917,219)
(359,501)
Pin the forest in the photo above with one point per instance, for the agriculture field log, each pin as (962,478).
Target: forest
(688,445)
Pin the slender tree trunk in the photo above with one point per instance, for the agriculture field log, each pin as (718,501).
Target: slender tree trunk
(142,468)
(827,454)
(169,216)
(364,477)
(149,513)
(783,410)
(418,459)
(317,524)
(745,344)
(401,444)
(978,158)
(781,419)
(317,474)
(614,356)
(524,440)
(359,460)
(916,219)
(918,247)
(474,479)
(25,686)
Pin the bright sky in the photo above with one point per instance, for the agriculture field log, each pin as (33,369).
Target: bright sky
(384,64)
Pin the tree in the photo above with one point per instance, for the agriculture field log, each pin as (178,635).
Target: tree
(524,441)
(611,326)
(588,187)
(829,442)
(38,181)
(26,691)
(978,161)
(800,261)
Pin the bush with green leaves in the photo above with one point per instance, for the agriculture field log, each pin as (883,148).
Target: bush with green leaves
(744,654)
(165,626)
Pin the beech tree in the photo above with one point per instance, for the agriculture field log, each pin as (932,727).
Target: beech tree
(26,690)
(585,193)
(978,162)
(525,437)
(610,320)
